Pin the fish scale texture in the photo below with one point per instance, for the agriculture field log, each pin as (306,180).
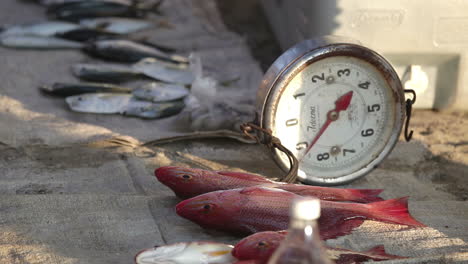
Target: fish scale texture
(65,202)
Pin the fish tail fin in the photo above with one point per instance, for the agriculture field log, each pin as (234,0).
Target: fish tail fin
(366,195)
(380,251)
(393,211)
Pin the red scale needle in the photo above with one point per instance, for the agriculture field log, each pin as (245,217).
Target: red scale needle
(341,104)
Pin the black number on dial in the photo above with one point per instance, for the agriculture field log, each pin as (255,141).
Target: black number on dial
(292,122)
(374,108)
(297,95)
(367,133)
(364,85)
(346,72)
(323,156)
(318,77)
(301,145)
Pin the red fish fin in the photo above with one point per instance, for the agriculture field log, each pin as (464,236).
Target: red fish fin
(244,176)
(393,211)
(380,251)
(340,228)
(366,195)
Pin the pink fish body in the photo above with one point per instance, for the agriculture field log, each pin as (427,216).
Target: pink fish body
(256,209)
(260,246)
(188,182)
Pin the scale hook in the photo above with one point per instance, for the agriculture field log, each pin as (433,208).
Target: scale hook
(409,108)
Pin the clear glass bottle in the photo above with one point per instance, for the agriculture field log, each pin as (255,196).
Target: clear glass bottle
(302,244)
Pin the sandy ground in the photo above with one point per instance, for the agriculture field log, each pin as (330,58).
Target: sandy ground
(76,188)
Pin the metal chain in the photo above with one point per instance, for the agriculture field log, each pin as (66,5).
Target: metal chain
(264,136)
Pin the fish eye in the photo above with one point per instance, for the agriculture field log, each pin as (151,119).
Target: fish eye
(262,244)
(187,177)
(207,208)
(79,98)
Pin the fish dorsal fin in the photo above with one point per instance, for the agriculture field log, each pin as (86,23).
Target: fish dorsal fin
(265,191)
(244,176)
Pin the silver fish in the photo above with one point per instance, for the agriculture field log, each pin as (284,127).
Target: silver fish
(117,25)
(187,253)
(148,110)
(104,72)
(69,89)
(163,71)
(86,34)
(100,103)
(59,2)
(74,11)
(128,51)
(161,92)
(45,29)
(38,42)
(125,104)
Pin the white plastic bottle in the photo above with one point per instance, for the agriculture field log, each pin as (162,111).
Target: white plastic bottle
(302,245)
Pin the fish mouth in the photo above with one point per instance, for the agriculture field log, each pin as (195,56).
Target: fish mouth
(234,251)
(162,173)
(181,206)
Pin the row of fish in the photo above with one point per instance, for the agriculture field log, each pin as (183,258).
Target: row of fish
(100,28)
(152,100)
(244,203)
(62,35)
(254,249)
(73,10)
(67,35)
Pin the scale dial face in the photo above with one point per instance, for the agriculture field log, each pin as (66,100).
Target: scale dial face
(339,115)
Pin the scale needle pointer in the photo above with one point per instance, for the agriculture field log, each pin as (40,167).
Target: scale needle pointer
(341,104)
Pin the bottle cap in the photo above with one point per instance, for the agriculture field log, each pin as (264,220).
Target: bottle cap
(305,208)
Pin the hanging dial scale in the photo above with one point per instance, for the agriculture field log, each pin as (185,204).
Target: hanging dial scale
(337,106)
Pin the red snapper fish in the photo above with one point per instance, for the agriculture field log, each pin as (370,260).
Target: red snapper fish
(188,182)
(256,209)
(259,247)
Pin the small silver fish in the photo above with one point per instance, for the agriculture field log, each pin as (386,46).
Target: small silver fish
(74,11)
(70,89)
(117,25)
(38,42)
(148,110)
(125,104)
(59,2)
(187,253)
(113,73)
(128,51)
(164,71)
(46,29)
(99,103)
(161,92)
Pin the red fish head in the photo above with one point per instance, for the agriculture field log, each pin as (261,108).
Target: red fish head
(259,246)
(183,181)
(211,210)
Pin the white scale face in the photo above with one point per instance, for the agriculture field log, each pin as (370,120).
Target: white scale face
(336,115)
